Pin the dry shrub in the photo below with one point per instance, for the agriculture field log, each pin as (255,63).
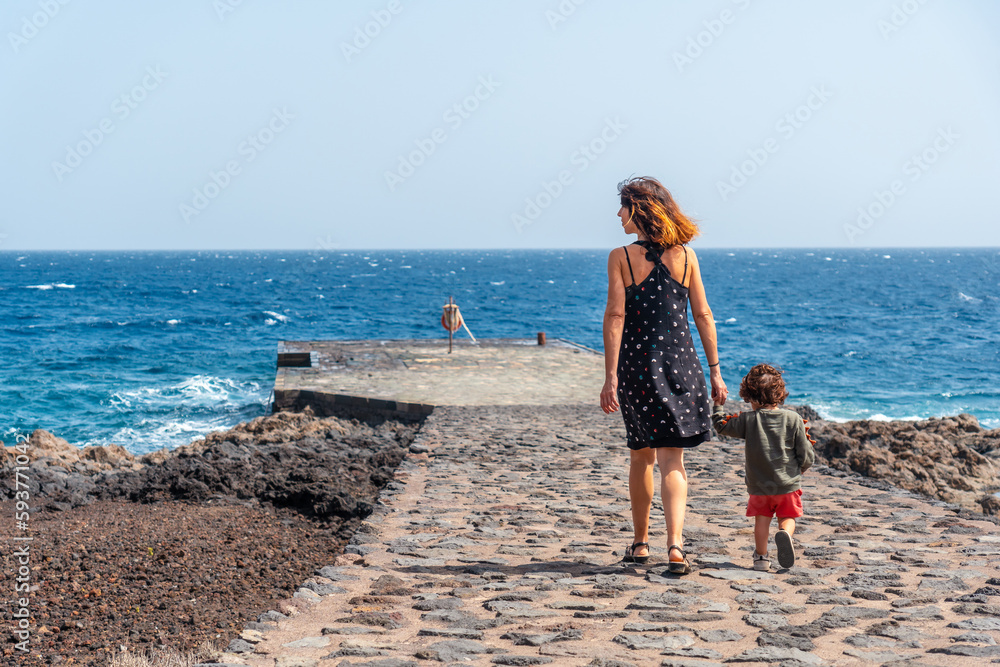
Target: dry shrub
(168,657)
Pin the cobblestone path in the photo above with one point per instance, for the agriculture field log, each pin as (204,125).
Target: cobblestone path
(500,543)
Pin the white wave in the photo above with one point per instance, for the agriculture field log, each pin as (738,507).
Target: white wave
(196,390)
(173,322)
(499,283)
(887,256)
(176,413)
(730,320)
(277,316)
(879,417)
(836,414)
(41,287)
(406,266)
(970,299)
(850,353)
(49,286)
(150,435)
(269,322)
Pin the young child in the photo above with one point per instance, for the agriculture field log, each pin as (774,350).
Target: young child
(778,450)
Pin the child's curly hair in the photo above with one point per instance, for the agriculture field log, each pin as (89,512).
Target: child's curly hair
(763,385)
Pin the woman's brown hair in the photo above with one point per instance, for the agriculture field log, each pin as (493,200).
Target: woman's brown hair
(655,212)
(763,385)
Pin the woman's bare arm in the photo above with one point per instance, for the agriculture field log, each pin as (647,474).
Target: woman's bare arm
(614,323)
(705,322)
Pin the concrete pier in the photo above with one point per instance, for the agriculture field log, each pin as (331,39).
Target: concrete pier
(408,378)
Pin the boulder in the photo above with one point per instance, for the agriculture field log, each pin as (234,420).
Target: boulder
(108,456)
(939,457)
(42,443)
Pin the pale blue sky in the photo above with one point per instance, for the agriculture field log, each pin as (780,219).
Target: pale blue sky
(314,131)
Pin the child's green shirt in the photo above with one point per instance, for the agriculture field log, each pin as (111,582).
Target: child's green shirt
(778,449)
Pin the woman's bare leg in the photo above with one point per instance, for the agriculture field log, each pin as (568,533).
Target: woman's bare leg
(673,491)
(640,491)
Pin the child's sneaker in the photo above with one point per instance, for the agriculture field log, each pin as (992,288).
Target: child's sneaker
(786,552)
(761,563)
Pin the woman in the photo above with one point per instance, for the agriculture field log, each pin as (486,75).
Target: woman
(652,371)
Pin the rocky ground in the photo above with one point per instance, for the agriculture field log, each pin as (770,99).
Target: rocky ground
(189,547)
(950,458)
(184,548)
(502,546)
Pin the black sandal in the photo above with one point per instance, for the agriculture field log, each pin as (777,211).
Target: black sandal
(629,556)
(678,567)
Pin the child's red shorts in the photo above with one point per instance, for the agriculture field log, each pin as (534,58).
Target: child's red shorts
(784,506)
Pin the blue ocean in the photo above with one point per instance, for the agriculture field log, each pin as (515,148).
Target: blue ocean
(154,349)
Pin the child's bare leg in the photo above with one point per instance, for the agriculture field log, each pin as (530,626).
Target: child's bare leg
(787,524)
(761,527)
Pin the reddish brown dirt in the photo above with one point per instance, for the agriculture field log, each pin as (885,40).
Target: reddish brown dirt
(179,574)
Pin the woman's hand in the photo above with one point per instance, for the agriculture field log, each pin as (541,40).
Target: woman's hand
(719,390)
(609,395)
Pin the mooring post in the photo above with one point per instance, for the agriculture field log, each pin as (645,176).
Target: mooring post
(541,338)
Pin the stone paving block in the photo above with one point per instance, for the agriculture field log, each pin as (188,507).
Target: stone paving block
(657,642)
(510,530)
(772,654)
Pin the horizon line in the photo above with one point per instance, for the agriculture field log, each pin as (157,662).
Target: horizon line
(480,249)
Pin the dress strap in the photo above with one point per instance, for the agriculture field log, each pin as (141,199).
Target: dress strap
(684,277)
(629,266)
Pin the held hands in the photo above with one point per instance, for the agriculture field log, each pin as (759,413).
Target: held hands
(719,390)
(609,395)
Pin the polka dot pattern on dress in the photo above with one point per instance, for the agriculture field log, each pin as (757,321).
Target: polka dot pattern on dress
(661,385)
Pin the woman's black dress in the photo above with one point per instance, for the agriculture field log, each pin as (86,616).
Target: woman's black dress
(661,385)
